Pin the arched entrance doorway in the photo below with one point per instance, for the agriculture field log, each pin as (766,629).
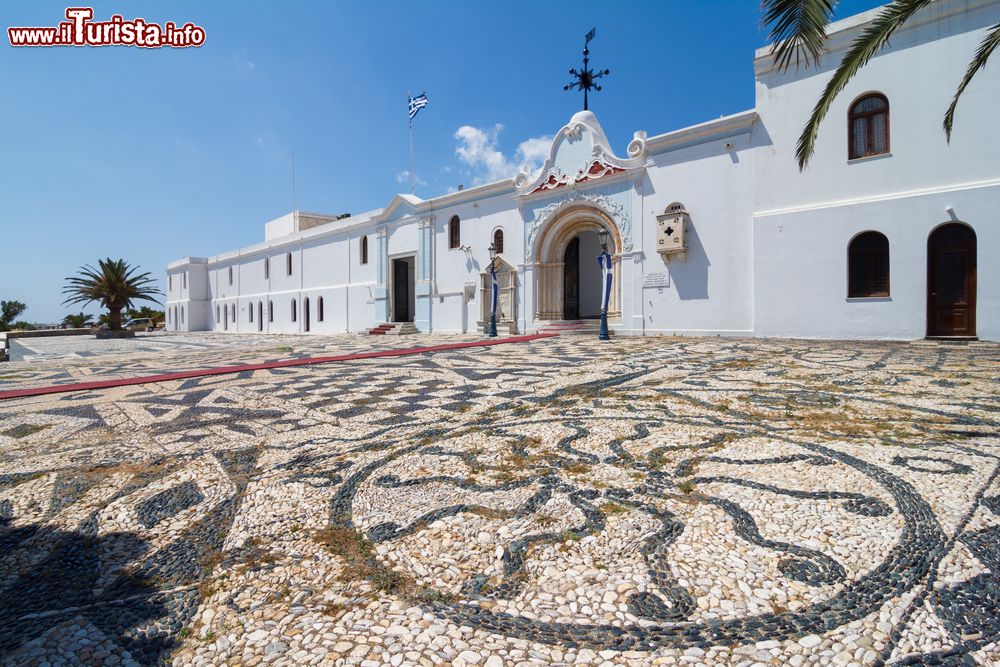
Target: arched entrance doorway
(567,274)
(951,281)
(582,277)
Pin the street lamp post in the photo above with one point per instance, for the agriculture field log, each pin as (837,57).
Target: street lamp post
(604,259)
(493,291)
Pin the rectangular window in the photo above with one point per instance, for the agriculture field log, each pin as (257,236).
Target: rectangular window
(184,280)
(288,261)
(267,268)
(170,282)
(230,275)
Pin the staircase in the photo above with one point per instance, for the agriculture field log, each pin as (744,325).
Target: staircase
(574,328)
(393,329)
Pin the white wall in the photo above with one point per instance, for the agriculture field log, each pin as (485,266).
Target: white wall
(804,220)
(711,291)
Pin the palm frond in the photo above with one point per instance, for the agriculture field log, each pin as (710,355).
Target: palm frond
(798,29)
(114,284)
(983,54)
(870,42)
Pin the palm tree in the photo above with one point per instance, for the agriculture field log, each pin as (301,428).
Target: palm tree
(78,321)
(798,30)
(114,284)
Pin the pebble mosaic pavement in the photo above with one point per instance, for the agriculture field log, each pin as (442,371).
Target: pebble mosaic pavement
(657,501)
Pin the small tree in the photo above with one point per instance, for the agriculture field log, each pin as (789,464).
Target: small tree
(10,311)
(78,321)
(114,284)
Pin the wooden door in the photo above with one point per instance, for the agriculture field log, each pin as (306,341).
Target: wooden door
(571,280)
(951,281)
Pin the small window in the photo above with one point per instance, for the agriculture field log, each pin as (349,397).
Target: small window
(168,315)
(293,310)
(364,249)
(869,126)
(454,233)
(498,241)
(288,263)
(217,320)
(319,309)
(232,313)
(250,310)
(230,275)
(170,281)
(184,280)
(270,311)
(182,314)
(868,265)
(267,268)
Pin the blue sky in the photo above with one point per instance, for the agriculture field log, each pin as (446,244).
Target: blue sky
(155,154)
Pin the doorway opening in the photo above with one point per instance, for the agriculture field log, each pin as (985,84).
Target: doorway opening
(582,277)
(404,295)
(951,281)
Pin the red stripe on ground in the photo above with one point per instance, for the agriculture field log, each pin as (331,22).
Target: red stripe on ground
(222,370)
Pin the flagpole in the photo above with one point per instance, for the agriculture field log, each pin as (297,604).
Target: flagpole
(413,172)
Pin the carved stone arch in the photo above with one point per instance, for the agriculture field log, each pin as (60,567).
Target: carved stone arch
(549,248)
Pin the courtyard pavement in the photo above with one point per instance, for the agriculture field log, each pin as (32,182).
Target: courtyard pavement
(656,501)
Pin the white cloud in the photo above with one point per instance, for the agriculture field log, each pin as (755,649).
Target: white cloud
(479,150)
(404,177)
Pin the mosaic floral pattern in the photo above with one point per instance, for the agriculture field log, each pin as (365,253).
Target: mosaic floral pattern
(564,501)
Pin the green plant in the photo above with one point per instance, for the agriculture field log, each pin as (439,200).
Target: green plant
(10,311)
(78,321)
(114,284)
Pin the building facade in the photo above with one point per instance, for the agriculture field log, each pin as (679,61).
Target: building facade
(890,232)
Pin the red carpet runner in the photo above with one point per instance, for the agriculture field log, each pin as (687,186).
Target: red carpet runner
(222,370)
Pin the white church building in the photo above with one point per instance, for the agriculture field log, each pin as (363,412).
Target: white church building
(890,232)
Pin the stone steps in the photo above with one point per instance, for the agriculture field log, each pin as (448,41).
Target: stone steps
(393,329)
(573,328)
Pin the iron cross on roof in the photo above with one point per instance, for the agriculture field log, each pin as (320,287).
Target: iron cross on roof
(586,79)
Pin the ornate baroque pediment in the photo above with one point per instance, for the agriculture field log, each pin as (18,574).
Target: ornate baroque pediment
(581,153)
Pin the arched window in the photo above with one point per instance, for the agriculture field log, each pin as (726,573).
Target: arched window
(319,309)
(454,232)
(293,310)
(270,311)
(498,241)
(868,126)
(267,268)
(288,263)
(868,265)
(364,249)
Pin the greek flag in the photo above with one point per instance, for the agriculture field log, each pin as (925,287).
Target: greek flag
(604,259)
(417,103)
